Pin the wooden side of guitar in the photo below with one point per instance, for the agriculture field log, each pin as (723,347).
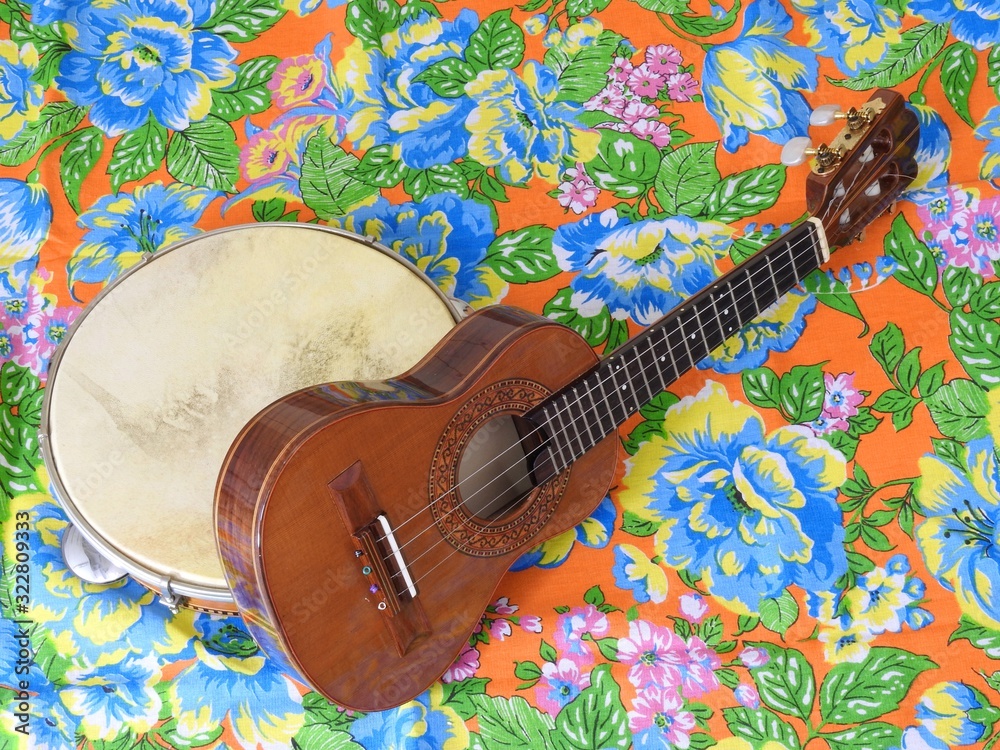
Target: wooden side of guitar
(289,557)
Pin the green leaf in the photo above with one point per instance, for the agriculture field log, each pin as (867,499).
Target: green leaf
(447,77)
(959,410)
(16,383)
(269,210)
(917,268)
(904,58)
(595,719)
(547,652)
(168,732)
(523,255)
(461,695)
(583,74)
(893,401)
(779,614)
(205,154)
(801,393)
(857,692)
(986,301)
(746,624)
(54,120)
(744,194)
(30,409)
(761,386)
(685,177)
(642,433)
(707,25)
(379,168)
(248,94)
(624,164)
(138,153)
(836,296)
(243,21)
(909,370)
(984,639)
(328,185)
(669,7)
(959,284)
(637,526)
(595,329)
(711,630)
(993,69)
(887,347)
(976,344)
(82,151)
(527,670)
(440,178)
(581,8)
(608,648)
(512,723)
(786,683)
(875,539)
(930,380)
(759,726)
(48,42)
(368,20)
(950,451)
(19,453)
(958,71)
(594,596)
(873,735)
(497,44)
(656,408)
(322,737)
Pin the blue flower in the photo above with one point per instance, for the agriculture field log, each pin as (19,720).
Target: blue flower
(20,97)
(752,84)
(958,537)
(775,330)
(231,679)
(976,23)
(639,270)
(749,512)
(135,59)
(121,228)
(522,128)
(25,218)
(634,571)
(112,697)
(933,153)
(855,33)
(955,714)
(594,532)
(424,723)
(445,236)
(989,130)
(392,107)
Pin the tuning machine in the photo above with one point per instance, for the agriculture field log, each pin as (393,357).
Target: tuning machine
(829,114)
(797,150)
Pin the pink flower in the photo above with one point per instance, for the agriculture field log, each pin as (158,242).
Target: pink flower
(753,657)
(571,626)
(746,696)
(531,623)
(842,399)
(663,59)
(681,87)
(644,82)
(610,99)
(560,683)
(659,710)
(653,653)
(266,154)
(502,606)
(653,131)
(578,193)
(620,70)
(636,110)
(698,672)
(499,629)
(826,423)
(465,665)
(963,230)
(693,607)
(297,80)
(31,327)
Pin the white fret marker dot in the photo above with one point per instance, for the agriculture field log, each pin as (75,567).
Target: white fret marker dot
(692,337)
(624,387)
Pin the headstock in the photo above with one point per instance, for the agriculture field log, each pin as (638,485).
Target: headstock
(864,169)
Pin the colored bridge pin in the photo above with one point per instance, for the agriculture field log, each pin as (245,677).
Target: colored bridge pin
(373,588)
(358,553)
(366,570)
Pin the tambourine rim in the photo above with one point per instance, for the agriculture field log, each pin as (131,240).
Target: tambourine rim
(141,572)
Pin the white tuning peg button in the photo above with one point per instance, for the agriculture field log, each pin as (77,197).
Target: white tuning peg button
(825,115)
(796,151)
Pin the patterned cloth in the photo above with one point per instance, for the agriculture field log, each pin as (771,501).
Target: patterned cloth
(801,540)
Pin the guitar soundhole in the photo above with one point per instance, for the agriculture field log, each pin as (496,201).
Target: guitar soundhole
(495,471)
(487,499)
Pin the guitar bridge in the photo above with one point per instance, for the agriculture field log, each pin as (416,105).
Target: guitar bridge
(379,559)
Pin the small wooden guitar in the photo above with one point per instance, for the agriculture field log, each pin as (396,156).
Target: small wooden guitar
(365,526)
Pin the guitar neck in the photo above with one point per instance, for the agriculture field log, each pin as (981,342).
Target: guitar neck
(583,413)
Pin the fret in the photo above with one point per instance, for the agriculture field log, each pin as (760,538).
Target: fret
(678,345)
(736,306)
(656,363)
(556,438)
(774,283)
(644,370)
(718,318)
(792,259)
(573,428)
(670,352)
(621,399)
(684,339)
(595,412)
(604,395)
(590,432)
(706,340)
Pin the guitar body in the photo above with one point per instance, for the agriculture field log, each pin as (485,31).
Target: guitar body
(303,488)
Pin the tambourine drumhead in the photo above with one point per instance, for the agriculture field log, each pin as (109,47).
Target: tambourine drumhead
(167,365)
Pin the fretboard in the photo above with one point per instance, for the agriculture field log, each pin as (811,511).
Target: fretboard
(580,415)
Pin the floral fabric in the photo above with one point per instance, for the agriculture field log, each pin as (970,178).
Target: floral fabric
(800,544)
